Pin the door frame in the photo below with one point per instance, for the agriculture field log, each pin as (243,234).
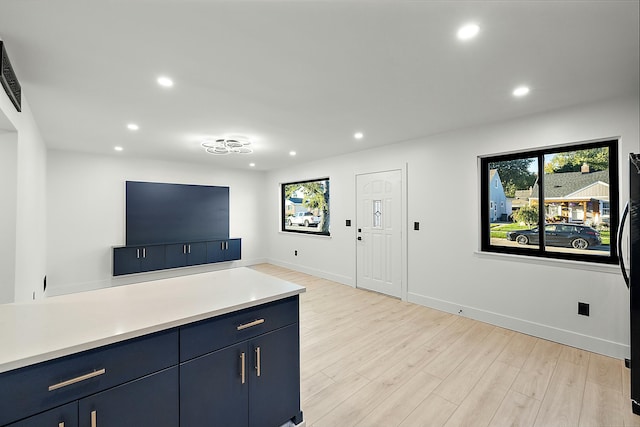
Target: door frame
(403,168)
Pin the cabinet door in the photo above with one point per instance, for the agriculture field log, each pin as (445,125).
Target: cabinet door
(215,251)
(212,391)
(126,261)
(176,255)
(196,253)
(274,386)
(151,401)
(63,416)
(152,258)
(232,250)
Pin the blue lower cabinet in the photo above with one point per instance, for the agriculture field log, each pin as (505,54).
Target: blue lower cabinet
(255,383)
(233,250)
(151,401)
(274,386)
(138,259)
(212,392)
(223,250)
(129,260)
(63,416)
(184,254)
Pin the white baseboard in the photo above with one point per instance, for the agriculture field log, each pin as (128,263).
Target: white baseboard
(345,280)
(562,336)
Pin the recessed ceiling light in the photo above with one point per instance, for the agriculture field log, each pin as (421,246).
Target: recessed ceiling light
(358,135)
(133,126)
(520,91)
(468,31)
(292,153)
(253,165)
(165,81)
(117,148)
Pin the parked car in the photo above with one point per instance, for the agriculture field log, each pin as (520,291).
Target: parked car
(569,235)
(308,219)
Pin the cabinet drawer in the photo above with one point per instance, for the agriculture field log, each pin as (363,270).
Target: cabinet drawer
(43,386)
(212,334)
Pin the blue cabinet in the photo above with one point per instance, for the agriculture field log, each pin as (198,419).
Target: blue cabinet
(128,260)
(212,392)
(184,254)
(151,401)
(63,416)
(139,259)
(223,250)
(250,376)
(239,369)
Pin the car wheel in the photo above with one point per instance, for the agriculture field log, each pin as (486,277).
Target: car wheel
(306,223)
(579,243)
(522,240)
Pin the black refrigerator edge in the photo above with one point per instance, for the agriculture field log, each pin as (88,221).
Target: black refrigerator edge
(632,279)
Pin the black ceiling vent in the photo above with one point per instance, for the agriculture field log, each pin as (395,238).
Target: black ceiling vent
(9,79)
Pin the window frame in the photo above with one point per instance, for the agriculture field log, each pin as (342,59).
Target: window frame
(541,251)
(283,209)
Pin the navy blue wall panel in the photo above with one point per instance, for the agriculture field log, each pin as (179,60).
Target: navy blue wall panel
(175,213)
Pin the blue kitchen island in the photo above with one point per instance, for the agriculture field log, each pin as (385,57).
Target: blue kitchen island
(212,349)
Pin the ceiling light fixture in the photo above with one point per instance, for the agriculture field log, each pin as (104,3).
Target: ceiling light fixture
(292,153)
(253,165)
(467,32)
(236,144)
(358,135)
(520,91)
(117,148)
(165,81)
(133,126)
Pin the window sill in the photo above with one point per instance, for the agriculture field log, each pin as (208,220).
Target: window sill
(578,265)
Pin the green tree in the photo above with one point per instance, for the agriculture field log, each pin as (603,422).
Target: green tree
(596,158)
(527,214)
(515,175)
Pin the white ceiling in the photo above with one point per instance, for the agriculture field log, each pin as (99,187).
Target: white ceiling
(305,75)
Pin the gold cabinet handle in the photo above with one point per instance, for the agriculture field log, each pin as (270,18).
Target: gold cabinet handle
(242,367)
(258,361)
(94,418)
(78,379)
(250,324)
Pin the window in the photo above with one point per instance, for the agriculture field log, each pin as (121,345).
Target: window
(572,190)
(305,207)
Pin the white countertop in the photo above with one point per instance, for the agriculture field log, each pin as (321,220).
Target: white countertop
(58,326)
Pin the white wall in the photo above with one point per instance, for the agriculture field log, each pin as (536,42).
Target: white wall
(86,208)
(27,200)
(445,270)
(8,195)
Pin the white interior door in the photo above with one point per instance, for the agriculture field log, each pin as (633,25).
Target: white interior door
(378,231)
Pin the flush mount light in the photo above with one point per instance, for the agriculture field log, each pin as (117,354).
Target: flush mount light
(236,144)
(292,153)
(358,135)
(117,148)
(165,81)
(133,126)
(253,165)
(520,91)
(468,31)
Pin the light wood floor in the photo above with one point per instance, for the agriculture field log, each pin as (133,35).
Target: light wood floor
(371,360)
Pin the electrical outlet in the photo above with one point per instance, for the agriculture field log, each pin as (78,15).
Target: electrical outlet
(295,252)
(583,308)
